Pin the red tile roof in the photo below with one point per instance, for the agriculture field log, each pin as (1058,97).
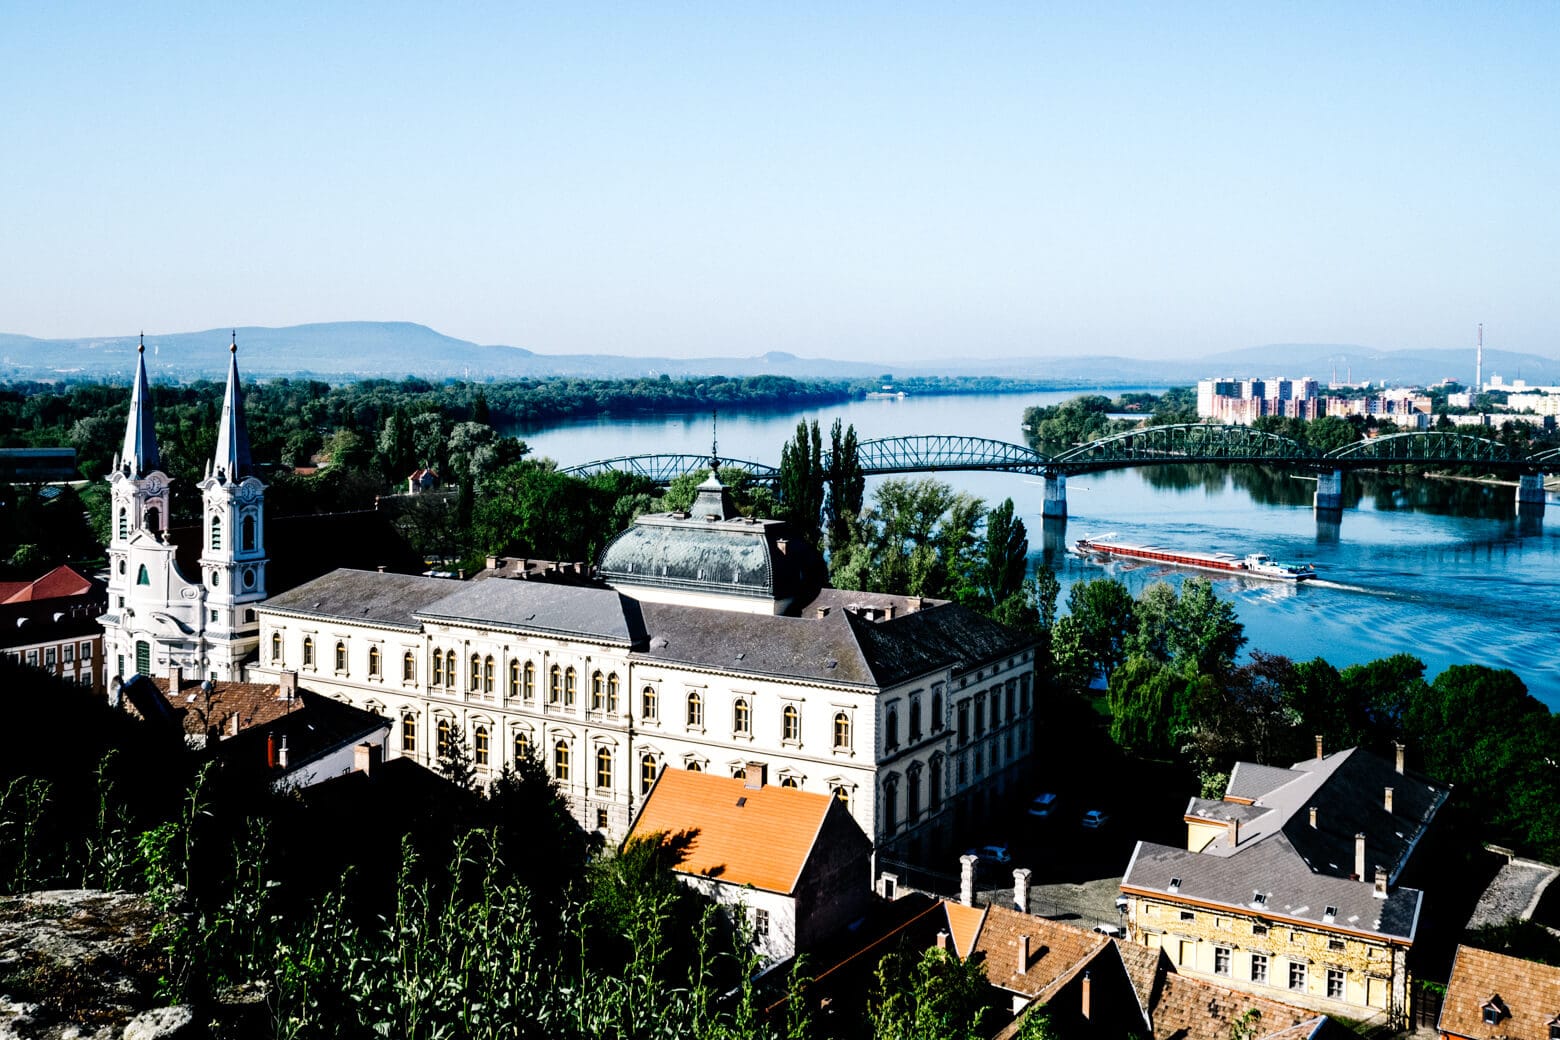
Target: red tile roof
(745,836)
(59,583)
(1526,996)
(254,703)
(964,924)
(1056,951)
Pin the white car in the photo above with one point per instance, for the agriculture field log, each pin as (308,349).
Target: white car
(1094,819)
(1042,805)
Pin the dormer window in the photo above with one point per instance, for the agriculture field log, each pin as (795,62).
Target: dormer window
(1175,884)
(1554,1028)
(1330,915)
(1258,899)
(1494,1010)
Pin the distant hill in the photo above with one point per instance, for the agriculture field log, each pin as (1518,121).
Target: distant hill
(338,351)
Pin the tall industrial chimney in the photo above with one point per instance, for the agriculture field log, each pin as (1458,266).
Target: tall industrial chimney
(1478,365)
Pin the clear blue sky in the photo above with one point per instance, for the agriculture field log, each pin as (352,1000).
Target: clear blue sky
(894,181)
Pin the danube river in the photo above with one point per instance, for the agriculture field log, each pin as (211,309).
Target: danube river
(1438,569)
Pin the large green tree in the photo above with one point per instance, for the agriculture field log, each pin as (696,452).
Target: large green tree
(847,485)
(800,481)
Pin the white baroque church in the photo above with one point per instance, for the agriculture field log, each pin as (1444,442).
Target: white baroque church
(159,618)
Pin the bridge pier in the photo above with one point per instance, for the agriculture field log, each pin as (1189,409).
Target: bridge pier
(1329,492)
(1055,507)
(1053,539)
(1530,494)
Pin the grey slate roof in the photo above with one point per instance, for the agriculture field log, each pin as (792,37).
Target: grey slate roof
(542,607)
(914,644)
(1274,868)
(817,649)
(1250,780)
(730,557)
(368,596)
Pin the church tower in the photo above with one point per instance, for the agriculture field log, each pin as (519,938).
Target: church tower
(233,556)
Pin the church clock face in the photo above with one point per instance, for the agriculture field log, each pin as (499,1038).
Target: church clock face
(248,493)
(154,486)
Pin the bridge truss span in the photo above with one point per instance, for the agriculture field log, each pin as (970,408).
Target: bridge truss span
(1435,448)
(934,452)
(1182,443)
(663,469)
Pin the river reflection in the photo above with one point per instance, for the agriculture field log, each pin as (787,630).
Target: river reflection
(1438,568)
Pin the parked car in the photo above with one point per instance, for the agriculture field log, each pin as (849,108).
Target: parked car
(990,857)
(1094,819)
(1111,930)
(1042,805)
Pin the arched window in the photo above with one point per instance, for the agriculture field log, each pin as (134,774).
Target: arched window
(568,688)
(449,669)
(648,703)
(934,783)
(124,523)
(408,667)
(841,732)
(598,689)
(528,681)
(843,794)
(514,678)
(915,718)
(216,532)
(937,712)
(913,796)
(791,724)
(694,767)
(612,693)
(487,674)
(438,668)
(373,662)
(276,647)
(790,781)
(890,806)
(891,728)
(341,657)
(442,744)
(248,528)
(408,732)
(742,718)
(141,577)
(561,760)
(604,769)
(476,674)
(522,746)
(480,746)
(308,651)
(695,711)
(554,685)
(152,520)
(647,772)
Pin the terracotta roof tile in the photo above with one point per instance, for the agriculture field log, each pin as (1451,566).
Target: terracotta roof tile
(745,836)
(1056,951)
(255,704)
(59,583)
(964,924)
(1528,994)
(1193,1009)
(1144,967)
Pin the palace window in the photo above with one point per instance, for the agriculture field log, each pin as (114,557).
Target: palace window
(408,732)
(514,679)
(964,722)
(568,687)
(341,657)
(890,806)
(915,718)
(480,743)
(1259,967)
(449,669)
(438,668)
(695,711)
(648,703)
(913,796)
(528,681)
(442,743)
(1335,986)
(996,708)
(373,662)
(249,533)
(841,731)
(647,772)
(891,729)
(522,746)
(612,693)
(934,783)
(554,685)
(980,714)
(791,724)
(216,532)
(308,651)
(1221,960)
(276,647)
(487,674)
(741,718)
(604,769)
(1296,975)
(408,667)
(937,714)
(476,674)
(561,760)
(597,691)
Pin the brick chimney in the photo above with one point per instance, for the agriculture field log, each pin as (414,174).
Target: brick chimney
(888,612)
(1023,954)
(753,775)
(175,680)
(967,880)
(366,758)
(1318,745)
(1387,800)
(1086,998)
(913,604)
(1021,877)
(1381,883)
(1234,834)
(1399,747)
(1359,856)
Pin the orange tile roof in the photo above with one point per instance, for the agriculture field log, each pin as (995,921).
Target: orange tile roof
(1057,951)
(1528,991)
(254,703)
(1144,967)
(964,923)
(760,837)
(1193,1009)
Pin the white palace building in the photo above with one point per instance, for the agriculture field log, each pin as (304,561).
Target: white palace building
(702,640)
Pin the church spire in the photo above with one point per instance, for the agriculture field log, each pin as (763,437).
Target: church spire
(140,449)
(232,436)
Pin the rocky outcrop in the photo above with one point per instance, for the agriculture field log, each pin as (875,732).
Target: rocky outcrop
(81,963)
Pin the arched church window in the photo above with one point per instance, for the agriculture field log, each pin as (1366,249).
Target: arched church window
(528,689)
(604,769)
(514,679)
(487,675)
(647,707)
(569,681)
(554,684)
(408,732)
(522,746)
(561,760)
(442,745)
(612,693)
(141,577)
(152,520)
(248,528)
(647,771)
(791,723)
(481,746)
(216,532)
(597,689)
(476,673)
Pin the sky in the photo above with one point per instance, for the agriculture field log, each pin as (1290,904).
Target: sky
(855,181)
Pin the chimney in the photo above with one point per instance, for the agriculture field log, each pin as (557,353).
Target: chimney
(967,880)
(234,722)
(1359,856)
(270,750)
(1023,954)
(175,680)
(753,776)
(1318,745)
(1388,800)
(1313,817)
(1086,998)
(492,563)
(888,612)
(366,758)
(782,546)
(1021,889)
(1234,834)
(1400,747)
(912,604)
(380,568)
(287,685)
(942,938)
(281,754)
(821,612)
(1381,883)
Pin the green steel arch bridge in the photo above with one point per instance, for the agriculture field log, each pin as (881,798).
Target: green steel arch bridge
(1152,446)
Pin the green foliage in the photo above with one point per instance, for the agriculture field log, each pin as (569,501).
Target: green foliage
(1094,636)
(846,485)
(919,538)
(929,995)
(800,482)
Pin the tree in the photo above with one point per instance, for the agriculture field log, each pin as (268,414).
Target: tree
(1142,703)
(1329,433)
(800,481)
(1006,557)
(455,763)
(846,485)
(933,996)
(1093,638)
(1205,632)
(1385,687)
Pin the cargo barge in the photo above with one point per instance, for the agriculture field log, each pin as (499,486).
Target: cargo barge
(1252,565)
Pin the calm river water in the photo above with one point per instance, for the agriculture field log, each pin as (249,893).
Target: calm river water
(1439,569)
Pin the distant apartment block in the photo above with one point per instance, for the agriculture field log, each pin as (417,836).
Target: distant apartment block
(1241,401)
(1404,407)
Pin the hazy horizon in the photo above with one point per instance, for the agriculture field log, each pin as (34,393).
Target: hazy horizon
(883,183)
